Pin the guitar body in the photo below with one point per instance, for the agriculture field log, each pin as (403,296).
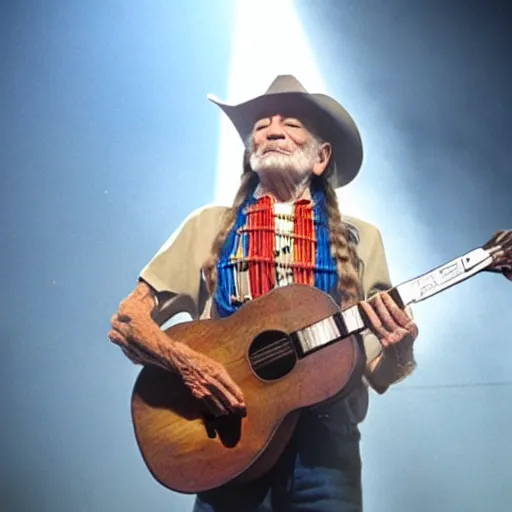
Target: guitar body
(276,381)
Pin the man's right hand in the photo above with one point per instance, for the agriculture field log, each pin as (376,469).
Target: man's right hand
(208,381)
(142,340)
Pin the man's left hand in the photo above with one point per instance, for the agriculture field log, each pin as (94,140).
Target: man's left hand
(391,324)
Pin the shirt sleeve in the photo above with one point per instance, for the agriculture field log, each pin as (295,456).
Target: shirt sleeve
(376,278)
(177,266)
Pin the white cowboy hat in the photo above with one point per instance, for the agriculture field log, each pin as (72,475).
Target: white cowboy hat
(287,96)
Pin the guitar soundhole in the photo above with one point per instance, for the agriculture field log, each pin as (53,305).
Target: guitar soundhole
(272,355)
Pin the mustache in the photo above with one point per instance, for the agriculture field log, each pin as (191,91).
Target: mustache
(272,146)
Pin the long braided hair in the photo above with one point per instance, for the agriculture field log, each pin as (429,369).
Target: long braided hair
(248,184)
(343,246)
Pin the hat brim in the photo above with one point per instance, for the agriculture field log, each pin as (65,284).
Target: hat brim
(325,116)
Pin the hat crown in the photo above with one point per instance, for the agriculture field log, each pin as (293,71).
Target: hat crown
(284,84)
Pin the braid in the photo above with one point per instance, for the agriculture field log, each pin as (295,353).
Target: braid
(248,184)
(343,249)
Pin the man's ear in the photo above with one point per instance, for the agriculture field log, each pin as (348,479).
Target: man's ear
(324,157)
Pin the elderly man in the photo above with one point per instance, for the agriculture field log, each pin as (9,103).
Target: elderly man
(284,227)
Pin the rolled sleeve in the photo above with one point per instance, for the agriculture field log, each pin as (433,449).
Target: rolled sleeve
(176,267)
(395,364)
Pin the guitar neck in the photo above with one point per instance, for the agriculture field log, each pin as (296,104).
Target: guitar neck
(352,320)
(441,278)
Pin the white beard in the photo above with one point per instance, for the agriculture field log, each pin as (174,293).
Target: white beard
(285,175)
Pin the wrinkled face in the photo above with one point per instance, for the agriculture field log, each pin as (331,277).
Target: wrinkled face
(284,145)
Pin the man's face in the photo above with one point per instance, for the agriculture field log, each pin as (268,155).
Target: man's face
(283,145)
(279,131)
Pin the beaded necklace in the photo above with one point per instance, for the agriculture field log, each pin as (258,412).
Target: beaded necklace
(258,251)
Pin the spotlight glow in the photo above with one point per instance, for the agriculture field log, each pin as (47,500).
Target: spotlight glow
(261,51)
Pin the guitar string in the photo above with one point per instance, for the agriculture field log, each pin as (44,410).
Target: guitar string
(287,341)
(277,349)
(273,344)
(266,354)
(271,351)
(273,356)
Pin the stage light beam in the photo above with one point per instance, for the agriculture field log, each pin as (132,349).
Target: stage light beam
(262,49)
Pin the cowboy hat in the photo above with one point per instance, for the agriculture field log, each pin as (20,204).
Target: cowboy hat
(328,119)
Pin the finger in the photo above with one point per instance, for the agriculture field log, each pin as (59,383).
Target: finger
(401,318)
(389,312)
(384,314)
(205,387)
(228,404)
(397,336)
(227,399)
(500,235)
(117,321)
(399,315)
(373,317)
(118,318)
(210,402)
(230,386)
(123,329)
(116,337)
(405,325)
(219,374)
(217,390)
(214,381)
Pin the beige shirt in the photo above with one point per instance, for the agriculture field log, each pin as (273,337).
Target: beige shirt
(177,268)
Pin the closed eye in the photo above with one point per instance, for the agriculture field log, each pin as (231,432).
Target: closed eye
(293,123)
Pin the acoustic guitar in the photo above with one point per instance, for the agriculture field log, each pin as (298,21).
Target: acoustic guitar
(287,350)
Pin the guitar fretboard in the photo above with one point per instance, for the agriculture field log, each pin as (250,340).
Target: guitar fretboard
(352,320)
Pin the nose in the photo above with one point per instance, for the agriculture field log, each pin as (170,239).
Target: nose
(275,130)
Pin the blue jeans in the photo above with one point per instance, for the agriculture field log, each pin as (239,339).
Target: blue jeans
(319,471)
